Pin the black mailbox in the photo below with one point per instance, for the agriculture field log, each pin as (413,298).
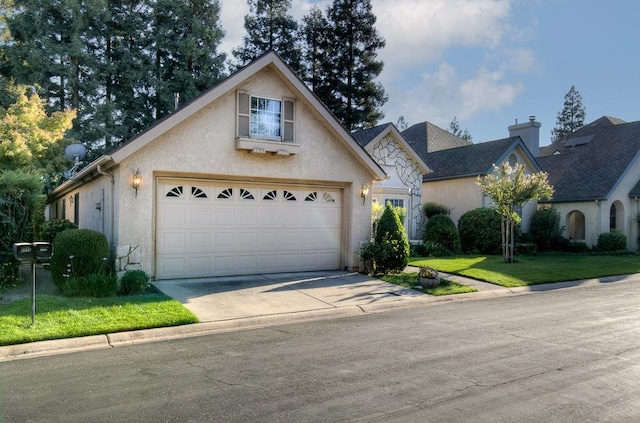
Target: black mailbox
(42,251)
(23,251)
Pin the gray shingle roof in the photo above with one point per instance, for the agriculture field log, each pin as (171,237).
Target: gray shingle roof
(581,136)
(469,160)
(426,137)
(365,136)
(591,170)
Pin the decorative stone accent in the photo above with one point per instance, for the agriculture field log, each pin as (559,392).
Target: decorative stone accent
(389,153)
(128,257)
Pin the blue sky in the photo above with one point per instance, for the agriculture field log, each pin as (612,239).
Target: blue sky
(490,62)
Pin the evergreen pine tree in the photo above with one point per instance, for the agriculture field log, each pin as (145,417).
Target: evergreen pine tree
(392,252)
(355,97)
(571,117)
(316,34)
(270,27)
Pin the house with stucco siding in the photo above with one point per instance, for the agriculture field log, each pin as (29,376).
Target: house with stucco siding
(596,175)
(253,176)
(404,168)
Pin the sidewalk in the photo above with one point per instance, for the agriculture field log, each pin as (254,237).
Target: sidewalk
(247,302)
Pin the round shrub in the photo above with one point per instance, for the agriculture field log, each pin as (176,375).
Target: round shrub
(133,282)
(441,230)
(545,229)
(433,209)
(480,231)
(78,253)
(53,227)
(612,241)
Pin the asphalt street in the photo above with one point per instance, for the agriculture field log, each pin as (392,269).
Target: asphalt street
(570,355)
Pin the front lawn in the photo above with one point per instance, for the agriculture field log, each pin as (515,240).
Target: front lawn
(61,317)
(410,280)
(532,270)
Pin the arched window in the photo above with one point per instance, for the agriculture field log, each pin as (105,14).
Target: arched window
(575,224)
(612,217)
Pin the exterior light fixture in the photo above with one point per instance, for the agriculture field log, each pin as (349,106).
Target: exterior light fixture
(137,179)
(364,191)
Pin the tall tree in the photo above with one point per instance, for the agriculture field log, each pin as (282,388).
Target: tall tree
(571,117)
(270,27)
(118,62)
(509,188)
(355,96)
(454,128)
(186,57)
(316,35)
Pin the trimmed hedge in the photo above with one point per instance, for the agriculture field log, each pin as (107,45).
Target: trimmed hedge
(133,282)
(480,231)
(441,230)
(78,253)
(612,241)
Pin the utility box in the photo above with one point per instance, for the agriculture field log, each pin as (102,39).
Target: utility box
(42,251)
(23,251)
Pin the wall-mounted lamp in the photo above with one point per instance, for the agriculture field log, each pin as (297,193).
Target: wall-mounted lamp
(137,179)
(364,191)
(71,199)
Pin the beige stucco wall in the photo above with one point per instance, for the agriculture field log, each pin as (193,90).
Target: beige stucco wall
(204,146)
(464,194)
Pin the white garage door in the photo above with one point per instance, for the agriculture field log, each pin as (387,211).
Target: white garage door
(209,228)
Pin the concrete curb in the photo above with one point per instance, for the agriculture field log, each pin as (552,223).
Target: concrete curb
(60,346)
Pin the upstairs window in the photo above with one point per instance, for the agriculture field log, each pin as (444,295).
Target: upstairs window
(264,118)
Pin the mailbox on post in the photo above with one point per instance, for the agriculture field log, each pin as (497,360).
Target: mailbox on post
(23,251)
(42,251)
(32,252)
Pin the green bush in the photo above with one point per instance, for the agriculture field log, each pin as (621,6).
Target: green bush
(441,230)
(433,209)
(429,249)
(480,231)
(133,282)
(54,226)
(98,285)
(78,253)
(390,250)
(545,229)
(612,241)
(9,269)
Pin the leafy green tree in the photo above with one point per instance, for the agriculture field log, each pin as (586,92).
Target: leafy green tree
(571,117)
(270,27)
(509,188)
(353,94)
(30,139)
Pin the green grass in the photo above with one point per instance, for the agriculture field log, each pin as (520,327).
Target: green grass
(61,317)
(410,280)
(532,270)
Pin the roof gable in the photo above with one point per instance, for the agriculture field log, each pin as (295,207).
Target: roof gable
(474,159)
(369,138)
(270,59)
(426,137)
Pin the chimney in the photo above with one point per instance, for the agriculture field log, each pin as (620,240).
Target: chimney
(530,134)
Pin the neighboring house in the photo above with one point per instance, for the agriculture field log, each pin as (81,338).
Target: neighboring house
(455,169)
(253,176)
(596,176)
(404,169)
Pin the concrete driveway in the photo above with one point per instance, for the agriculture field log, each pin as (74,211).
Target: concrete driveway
(238,297)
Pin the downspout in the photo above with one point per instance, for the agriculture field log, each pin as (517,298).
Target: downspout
(111,206)
(599,228)
(638,222)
